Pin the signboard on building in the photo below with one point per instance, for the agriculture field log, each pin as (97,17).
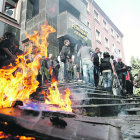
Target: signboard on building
(69,25)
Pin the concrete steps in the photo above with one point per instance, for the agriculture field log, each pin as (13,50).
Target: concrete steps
(133,111)
(125,111)
(105,110)
(97,102)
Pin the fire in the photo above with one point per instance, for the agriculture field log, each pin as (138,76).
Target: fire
(25,138)
(19,81)
(2,135)
(55,97)
(8,136)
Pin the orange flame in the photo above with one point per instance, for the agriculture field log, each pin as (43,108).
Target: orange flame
(55,97)
(4,136)
(19,81)
(25,138)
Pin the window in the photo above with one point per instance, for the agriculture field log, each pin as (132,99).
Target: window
(8,7)
(88,24)
(112,32)
(106,43)
(32,8)
(88,8)
(118,38)
(66,6)
(113,46)
(8,28)
(1,5)
(98,35)
(105,24)
(96,15)
(119,53)
(9,10)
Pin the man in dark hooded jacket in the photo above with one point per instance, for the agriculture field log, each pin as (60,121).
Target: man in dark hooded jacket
(6,42)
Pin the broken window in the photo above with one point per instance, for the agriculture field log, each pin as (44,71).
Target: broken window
(9,10)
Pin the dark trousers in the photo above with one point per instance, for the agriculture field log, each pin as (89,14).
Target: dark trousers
(129,87)
(56,72)
(96,75)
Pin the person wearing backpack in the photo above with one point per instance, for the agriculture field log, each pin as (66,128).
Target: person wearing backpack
(106,71)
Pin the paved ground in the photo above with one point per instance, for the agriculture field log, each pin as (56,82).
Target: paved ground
(130,126)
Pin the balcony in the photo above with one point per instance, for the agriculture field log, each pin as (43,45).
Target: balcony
(67,24)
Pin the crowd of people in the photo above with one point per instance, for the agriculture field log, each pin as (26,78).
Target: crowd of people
(81,64)
(84,64)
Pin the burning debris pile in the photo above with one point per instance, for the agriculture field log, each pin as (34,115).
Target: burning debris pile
(18,81)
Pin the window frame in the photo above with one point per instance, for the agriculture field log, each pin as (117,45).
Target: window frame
(118,37)
(3,8)
(88,24)
(107,46)
(112,32)
(12,6)
(105,25)
(99,37)
(34,9)
(88,6)
(96,17)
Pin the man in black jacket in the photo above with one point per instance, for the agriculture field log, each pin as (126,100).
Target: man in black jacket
(96,66)
(121,72)
(6,42)
(106,71)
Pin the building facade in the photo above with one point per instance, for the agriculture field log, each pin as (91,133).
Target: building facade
(10,17)
(74,20)
(68,17)
(104,33)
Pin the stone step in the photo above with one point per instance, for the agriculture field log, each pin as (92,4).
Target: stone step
(96,100)
(133,111)
(94,94)
(105,110)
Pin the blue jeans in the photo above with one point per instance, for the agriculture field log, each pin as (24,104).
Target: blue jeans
(88,74)
(107,80)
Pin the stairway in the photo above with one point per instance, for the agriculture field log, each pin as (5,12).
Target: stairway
(97,102)
(124,112)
